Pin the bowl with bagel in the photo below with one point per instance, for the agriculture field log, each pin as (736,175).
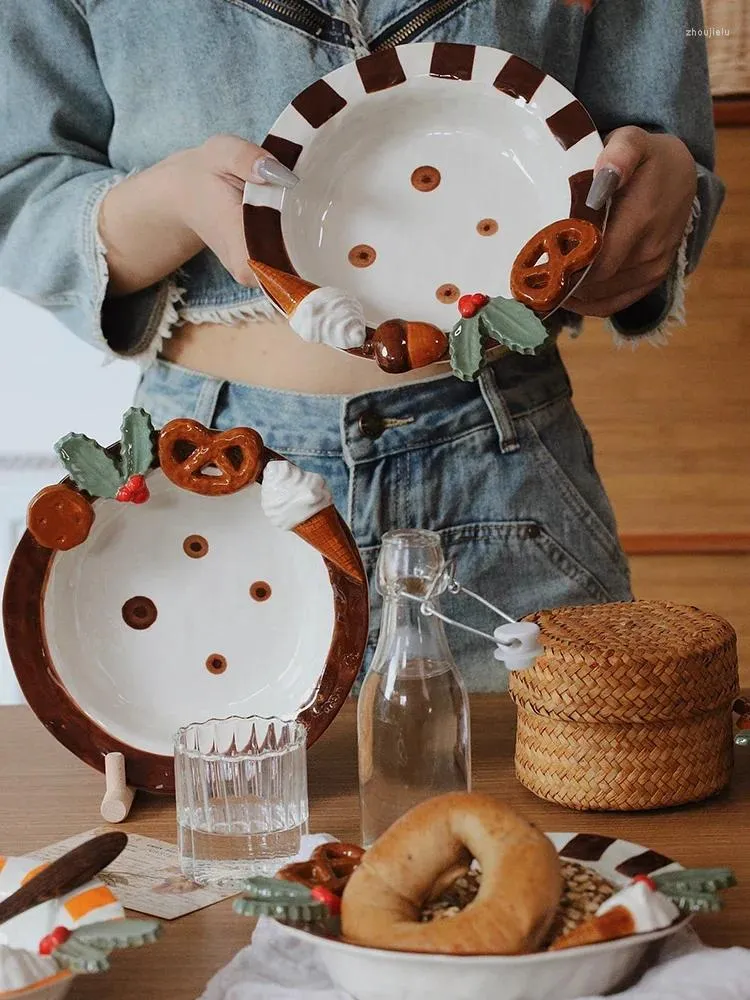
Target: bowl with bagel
(463,898)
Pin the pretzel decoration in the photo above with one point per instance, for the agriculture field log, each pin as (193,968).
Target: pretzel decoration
(211,463)
(570,245)
(329,867)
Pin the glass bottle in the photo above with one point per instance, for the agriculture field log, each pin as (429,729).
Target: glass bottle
(413,713)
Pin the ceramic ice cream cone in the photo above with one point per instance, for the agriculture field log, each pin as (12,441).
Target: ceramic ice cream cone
(287,290)
(615,923)
(325,532)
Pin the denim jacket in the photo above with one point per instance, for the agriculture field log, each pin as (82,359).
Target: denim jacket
(93,90)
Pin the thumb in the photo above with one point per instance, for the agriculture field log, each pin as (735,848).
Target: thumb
(624,151)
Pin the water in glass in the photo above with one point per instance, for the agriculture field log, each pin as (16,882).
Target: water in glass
(241,792)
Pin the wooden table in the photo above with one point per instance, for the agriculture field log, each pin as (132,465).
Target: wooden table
(46,794)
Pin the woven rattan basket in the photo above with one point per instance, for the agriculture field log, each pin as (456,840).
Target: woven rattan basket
(629,708)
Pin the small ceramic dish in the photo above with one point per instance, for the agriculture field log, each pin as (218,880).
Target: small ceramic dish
(151,603)
(592,970)
(91,903)
(424,169)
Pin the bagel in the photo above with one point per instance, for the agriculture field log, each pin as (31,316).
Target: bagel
(517,900)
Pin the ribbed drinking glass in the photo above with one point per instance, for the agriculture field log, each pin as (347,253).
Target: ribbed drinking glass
(241,791)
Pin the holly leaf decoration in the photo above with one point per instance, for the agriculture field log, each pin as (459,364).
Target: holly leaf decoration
(137,439)
(466,342)
(81,957)
(512,324)
(695,890)
(127,933)
(89,465)
(695,880)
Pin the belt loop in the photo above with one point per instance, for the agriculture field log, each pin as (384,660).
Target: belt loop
(208,397)
(493,397)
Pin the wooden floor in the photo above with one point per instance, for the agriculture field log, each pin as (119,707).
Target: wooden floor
(671,425)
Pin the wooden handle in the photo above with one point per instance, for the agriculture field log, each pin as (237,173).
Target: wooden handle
(118,798)
(67,873)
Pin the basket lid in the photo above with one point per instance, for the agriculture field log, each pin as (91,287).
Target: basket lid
(641,661)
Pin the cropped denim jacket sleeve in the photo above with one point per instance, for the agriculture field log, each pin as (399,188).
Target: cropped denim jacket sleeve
(92,90)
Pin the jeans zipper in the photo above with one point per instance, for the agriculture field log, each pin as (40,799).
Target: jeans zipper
(405,29)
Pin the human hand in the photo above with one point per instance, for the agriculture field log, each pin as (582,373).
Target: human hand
(154,221)
(211,179)
(647,219)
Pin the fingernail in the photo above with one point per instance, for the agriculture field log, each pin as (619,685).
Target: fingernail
(270,170)
(604,185)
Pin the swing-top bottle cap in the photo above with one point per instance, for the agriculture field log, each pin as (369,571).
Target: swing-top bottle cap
(518,645)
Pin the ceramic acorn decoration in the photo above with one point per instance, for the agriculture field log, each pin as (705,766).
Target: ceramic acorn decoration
(651,903)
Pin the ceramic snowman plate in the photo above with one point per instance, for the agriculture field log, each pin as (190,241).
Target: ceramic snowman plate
(127,620)
(424,169)
(589,970)
(89,904)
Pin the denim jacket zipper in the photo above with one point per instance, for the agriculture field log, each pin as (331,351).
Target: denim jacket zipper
(307,18)
(312,21)
(414,23)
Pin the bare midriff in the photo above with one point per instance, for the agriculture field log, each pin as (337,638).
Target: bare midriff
(269,353)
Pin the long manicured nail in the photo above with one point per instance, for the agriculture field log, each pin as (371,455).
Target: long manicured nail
(270,170)
(604,185)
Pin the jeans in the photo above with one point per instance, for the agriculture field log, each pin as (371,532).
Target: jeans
(502,469)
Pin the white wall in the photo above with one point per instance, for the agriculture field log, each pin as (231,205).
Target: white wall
(50,383)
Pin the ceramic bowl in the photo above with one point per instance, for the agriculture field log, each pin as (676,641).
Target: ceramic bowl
(91,903)
(183,608)
(424,169)
(374,974)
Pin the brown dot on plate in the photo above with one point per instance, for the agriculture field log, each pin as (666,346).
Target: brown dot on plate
(216,663)
(260,590)
(139,612)
(448,293)
(195,546)
(487,227)
(425,178)
(362,255)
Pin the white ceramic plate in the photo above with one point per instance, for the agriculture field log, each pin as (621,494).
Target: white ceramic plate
(88,904)
(374,974)
(423,170)
(125,638)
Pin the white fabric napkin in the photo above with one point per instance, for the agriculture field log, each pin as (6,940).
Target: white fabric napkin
(278,966)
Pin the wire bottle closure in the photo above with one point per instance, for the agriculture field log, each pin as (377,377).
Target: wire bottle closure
(516,643)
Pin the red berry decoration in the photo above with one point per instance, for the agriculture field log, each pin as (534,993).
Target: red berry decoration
(469,305)
(646,881)
(743,722)
(53,940)
(466,306)
(134,490)
(328,898)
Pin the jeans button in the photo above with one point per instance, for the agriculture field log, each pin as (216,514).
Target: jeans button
(371,424)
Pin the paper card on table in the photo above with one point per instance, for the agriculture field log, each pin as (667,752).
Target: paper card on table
(146,877)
